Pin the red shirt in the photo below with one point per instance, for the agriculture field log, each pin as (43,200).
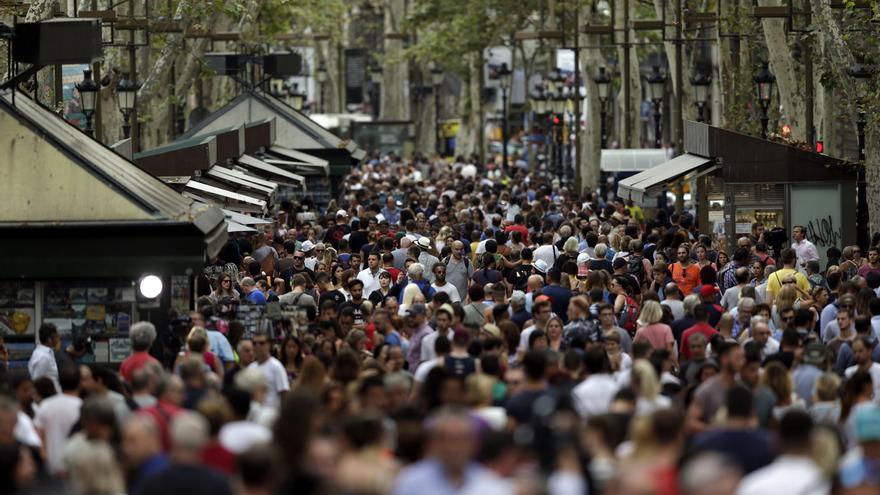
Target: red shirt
(521,229)
(163,413)
(703,328)
(136,361)
(216,457)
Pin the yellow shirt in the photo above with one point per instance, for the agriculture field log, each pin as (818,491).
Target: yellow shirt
(774,283)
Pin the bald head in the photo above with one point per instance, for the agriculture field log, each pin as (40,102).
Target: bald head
(535,282)
(140,439)
(405,242)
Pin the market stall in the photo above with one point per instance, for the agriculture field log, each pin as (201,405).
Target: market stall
(742,180)
(92,243)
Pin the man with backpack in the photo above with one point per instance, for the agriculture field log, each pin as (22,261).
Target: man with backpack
(487,274)
(638,267)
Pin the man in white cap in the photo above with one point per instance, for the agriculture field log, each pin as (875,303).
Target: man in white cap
(427,259)
(308,252)
(335,233)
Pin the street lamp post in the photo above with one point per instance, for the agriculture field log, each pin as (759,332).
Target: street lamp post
(505,75)
(437,78)
(375,80)
(657,86)
(556,100)
(321,76)
(764,81)
(862,75)
(88,95)
(701,82)
(538,102)
(127,91)
(603,84)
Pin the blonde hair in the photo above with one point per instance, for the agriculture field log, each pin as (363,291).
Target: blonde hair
(571,245)
(478,389)
(786,297)
(197,340)
(827,387)
(97,473)
(651,313)
(644,375)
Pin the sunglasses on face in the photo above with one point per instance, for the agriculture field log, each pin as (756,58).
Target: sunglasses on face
(298,257)
(227,281)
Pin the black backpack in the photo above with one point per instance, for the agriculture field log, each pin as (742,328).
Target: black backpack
(636,267)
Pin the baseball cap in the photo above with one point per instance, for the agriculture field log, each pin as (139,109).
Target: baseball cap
(814,353)
(707,290)
(341,213)
(307,246)
(417,309)
(518,297)
(583,258)
(541,266)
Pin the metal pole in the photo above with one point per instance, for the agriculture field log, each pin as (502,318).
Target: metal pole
(765,120)
(679,81)
(658,117)
(578,179)
(132,120)
(808,80)
(126,126)
(321,106)
(602,116)
(504,128)
(862,234)
(627,103)
(438,139)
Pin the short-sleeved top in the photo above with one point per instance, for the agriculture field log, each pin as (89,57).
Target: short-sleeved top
(657,334)
(276,380)
(135,362)
(774,282)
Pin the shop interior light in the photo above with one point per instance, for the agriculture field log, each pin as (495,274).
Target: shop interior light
(150,286)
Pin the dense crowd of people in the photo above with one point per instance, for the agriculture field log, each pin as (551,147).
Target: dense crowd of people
(451,328)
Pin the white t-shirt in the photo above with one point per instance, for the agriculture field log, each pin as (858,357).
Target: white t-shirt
(425,368)
(548,253)
(276,380)
(25,431)
(450,289)
(428,343)
(56,417)
(874,371)
(593,395)
(239,436)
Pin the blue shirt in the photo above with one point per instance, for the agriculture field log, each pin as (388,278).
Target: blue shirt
(428,476)
(220,346)
(256,297)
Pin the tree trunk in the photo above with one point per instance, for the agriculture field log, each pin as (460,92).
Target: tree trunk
(591,137)
(41,10)
(395,98)
(470,139)
(872,175)
(784,67)
(425,117)
(635,92)
(158,74)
